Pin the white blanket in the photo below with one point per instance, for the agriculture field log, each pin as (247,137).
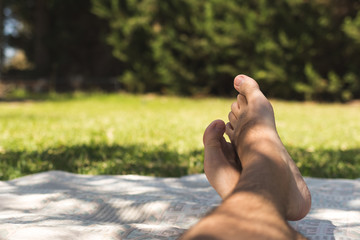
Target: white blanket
(57,205)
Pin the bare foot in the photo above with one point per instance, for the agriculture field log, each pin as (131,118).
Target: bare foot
(221,164)
(252,130)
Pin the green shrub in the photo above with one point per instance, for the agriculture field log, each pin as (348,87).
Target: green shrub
(295,48)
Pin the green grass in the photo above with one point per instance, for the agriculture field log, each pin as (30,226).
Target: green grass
(160,136)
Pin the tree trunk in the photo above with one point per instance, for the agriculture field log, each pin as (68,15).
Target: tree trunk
(2,40)
(41,50)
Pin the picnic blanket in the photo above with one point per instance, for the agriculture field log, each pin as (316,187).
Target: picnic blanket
(58,205)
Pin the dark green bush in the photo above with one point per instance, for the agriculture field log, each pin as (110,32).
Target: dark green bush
(294,48)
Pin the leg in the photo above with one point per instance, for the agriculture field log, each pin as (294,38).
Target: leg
(270,189)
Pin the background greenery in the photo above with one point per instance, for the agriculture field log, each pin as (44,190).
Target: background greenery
(296,49)
(160,136)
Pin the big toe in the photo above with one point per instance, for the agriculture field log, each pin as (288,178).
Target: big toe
(214,133)
(246,86)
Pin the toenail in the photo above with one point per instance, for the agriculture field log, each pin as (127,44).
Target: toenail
(238,80)
(219,126)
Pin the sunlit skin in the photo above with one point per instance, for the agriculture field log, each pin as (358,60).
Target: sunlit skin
(267,190)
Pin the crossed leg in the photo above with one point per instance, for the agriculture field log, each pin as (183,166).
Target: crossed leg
(267,191)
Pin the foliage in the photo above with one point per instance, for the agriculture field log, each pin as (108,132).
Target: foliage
(160,136)
(295,48)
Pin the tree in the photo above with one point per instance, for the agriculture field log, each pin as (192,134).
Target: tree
(2,40)
(41,54)
(296,49)
(62,39)
(293,47)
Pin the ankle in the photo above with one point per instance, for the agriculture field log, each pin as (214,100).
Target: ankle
(266,178)
(267,151)
(266,201)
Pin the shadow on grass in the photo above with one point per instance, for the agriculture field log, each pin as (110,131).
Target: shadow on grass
(327,163)
(160,161)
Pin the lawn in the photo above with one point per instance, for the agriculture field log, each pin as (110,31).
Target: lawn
(160,136)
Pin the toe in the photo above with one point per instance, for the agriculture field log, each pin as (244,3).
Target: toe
(213,134)
(229,130)
(242,102)
(246,86)
(235,108)
(232,119)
